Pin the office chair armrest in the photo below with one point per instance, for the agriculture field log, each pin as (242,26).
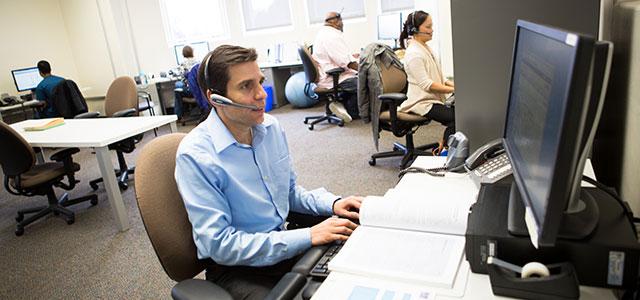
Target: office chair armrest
(87,115)
(288,287)
(393,99)
(63,154)
(191,289)
(124,113)
(308,260)
(335,71)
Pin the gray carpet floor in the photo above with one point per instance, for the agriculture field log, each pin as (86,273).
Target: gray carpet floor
(91,259)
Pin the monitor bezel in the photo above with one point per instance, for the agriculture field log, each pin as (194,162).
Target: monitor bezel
(399,14)
(15,82)
(568,145)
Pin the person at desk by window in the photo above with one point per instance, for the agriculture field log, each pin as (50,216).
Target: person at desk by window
(235,176)
(44,90)
(428,89)
(182,88)
(330,51)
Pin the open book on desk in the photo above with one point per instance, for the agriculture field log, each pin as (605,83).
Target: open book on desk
(416,239)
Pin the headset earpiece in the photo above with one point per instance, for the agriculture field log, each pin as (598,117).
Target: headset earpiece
(414,28)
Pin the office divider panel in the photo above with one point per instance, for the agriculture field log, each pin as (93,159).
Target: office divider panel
(483,35)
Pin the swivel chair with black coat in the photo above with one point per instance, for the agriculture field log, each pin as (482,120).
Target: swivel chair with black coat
(333,94)
(68,100)
(394,84)
(24,178)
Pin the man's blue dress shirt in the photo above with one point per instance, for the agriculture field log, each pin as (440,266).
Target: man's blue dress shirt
(238,196)
(44,91)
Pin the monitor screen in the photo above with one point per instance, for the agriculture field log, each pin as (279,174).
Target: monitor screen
(26,79)
(545,120)
(200,50)
(389,26)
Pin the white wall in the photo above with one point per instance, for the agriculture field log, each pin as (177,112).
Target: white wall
(34,30)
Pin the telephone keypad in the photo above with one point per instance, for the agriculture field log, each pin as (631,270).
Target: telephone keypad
(494,169)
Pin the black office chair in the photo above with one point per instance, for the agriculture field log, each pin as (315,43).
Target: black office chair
(333,94)
(68,100)
(24,178)
(394,83)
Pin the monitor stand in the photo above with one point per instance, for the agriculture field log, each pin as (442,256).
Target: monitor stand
(575,225)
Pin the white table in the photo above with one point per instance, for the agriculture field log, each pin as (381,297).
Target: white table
(98,134)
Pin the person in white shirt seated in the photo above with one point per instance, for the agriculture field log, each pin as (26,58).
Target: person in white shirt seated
(330,51)
(428,89)
(236,178)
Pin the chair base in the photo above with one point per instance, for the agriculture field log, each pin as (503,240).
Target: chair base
(56,206)
(122,179)
(408,154)
(329,117)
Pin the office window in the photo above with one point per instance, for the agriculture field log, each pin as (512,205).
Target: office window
(396,5)
(265,14)
(349,9)
(188,20)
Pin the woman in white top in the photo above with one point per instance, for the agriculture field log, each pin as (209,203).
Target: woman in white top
(428,88)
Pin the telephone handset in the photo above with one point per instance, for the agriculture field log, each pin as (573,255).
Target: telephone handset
(489,163)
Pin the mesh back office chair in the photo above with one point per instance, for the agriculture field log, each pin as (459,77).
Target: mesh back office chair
(394,83)
(121,101)
(167,223)
(23,177)
(333,94)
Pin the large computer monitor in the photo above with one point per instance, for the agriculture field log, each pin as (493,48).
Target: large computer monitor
(546,132)
(200,50)
(389,26)
(26,79)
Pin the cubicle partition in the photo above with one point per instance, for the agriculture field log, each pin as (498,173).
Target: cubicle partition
(483,35)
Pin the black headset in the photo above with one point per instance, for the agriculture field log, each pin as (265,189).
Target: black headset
(206,76)
(216,95)
(413,29)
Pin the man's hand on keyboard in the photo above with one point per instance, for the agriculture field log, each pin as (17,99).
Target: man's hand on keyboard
(348,207)
(331,229)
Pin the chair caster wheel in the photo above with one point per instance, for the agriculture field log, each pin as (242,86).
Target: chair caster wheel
(19,231)
(94,202)
(372,162)
(306,121)
(71,221)
(55,213)
(94,186)
(19,218)
(340,124)
(123,186)
(310,127)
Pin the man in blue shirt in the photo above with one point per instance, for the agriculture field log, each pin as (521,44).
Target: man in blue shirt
(234,173)
(44,90)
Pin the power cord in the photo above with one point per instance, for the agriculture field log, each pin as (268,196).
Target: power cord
(625,208)
(438,172)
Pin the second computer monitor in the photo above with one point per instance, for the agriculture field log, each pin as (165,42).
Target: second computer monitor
(546,123)
(389,26)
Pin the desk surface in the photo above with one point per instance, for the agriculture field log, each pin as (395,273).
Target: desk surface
(268,64)
(98,132)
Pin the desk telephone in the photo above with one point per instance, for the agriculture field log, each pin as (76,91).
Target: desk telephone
(489,163)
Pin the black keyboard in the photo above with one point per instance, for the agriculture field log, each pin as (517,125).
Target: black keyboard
(320,269)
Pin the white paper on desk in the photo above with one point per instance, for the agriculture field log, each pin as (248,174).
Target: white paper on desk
(419,257)
(340,285)
(415,212)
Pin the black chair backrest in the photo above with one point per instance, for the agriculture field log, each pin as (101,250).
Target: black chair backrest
(68,100)
(16,156)
(309,65)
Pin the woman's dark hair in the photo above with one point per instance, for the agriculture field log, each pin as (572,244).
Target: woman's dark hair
(411,25)
(217,64)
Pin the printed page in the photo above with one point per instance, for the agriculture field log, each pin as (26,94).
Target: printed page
(405,210)
(419,257)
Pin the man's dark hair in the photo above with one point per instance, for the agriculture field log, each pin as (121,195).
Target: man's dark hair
(187,51)
(44,67)
(217,64)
